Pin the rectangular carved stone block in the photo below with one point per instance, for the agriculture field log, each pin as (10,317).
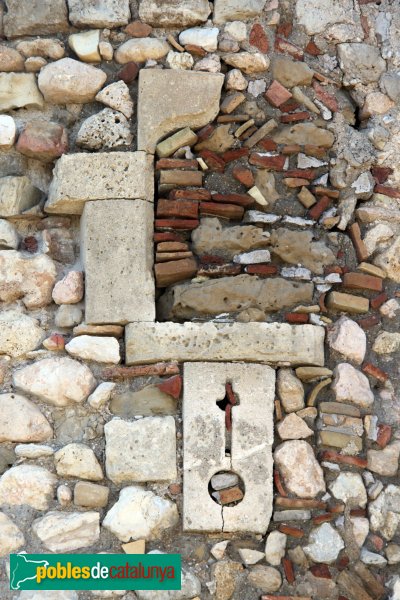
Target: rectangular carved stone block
(205,441)
(117,251)
(78,178)
(275,343)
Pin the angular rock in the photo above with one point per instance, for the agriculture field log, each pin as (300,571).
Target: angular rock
(191,588)
(101,394)
(349,488)
(324,544)
(141,49)
(69,289)
(9,237)
(299,468)
(147,439)
(224,576)
(385,462)
(68,81)
(8,132)
(389,261)
(44,141)
(292,427)
(64,532)
(275,548)
(350,385)
(41,47)
(319,14)
(148,402)
(232,10)
(11,537)
(290,390)
(33,450)
(35,18)
(179,60)
(28,278)
(78,460)
(206,38)
(360,527)
(290,73)
(266,579)
(27,484)
(140,514)
(347,338)
(19,333)
(247,62)
(10,60)
(304,134)
(297,247)
(102,13)
(17,194)
(386,342)
(361,63)
(384,512)
(19,90)
(22,421)
(229,294)
(100,349)
(86,45)
(68,315)
(211,238)
(58,381)
(189,99)
(177,13)
(117,96)
(90,495)
(147,342)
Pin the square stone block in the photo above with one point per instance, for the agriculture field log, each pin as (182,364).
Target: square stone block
(101,13)
(205,441)
(117,254)
(78,178)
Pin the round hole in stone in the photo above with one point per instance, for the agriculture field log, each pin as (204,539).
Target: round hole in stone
(226,488)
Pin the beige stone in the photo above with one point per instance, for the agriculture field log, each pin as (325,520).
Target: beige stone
(299,468)
(141,49)
(291,73)
(64,532)
(138,547)
(347,338)
(8,132)
(86,45)
(175,13)
(219,141)
(290,390)
(27,484)
(22,421)
(350,385)
(385,462)
(35,18)
(386,342)
(11,537)
(189,99)
(90,495)
(148,402)
(211,238)
(44,47)
(304,134)
(69,81)
(78,460)
(389,261)
(232,10)
(10,60)
(30,278)
(69,289)
(298,248)
(247,62)
(184,137)
(117,96)
(292,427)
(81,177)
(97,348)
(376,103)
(102,13)
(19,333)
(119,285)
(253,342)
(264,578)
(17,195)
(347,302)
(18,90)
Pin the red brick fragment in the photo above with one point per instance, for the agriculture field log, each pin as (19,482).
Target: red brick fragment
(29,244)
(172,247)
(384,435)
(359,246)
(294,117)
(158,369)
(332,456)
(374,371)
(277,94)
(239,199)
(228,417)
(289,106)
(230,394)
(54,342)
(219,209)
(316,211)
(258,38)
(321,571)
(343,598)
(275,163)
(177,163)
(376,541)
(248,133)
(171,386)
(261,270)
(324,518)
(317,152)
(358,512)
(268,144)
(184,224)
(174,489)
(44,141)
(274,597)
(305,173)
(387,191)
(199,194)
(244,176)
(177,208)
(167,236)
(195,50)
(205,132)
(214,162)
(362,281)
(368,322)
(211,258)
(289,570)
(285,28)
(234,154)
(336,508)
(312,49)
(230,495)
(138,29)
(285,47)
(378,300)
(278,484)
(325,97)
(291,149)
(295,532)
(299,503)
(129,72)
(171,272)
(292,317)
(381,174)
(342,563)
(333,269)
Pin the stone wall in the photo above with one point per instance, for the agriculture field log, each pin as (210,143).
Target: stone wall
(199,269)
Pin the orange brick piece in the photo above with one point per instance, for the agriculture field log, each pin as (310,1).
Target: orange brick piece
(277,94)
(174,271)
(361,281)
(360,247)
(230,495)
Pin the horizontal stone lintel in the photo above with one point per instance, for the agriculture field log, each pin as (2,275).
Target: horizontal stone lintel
(267,343)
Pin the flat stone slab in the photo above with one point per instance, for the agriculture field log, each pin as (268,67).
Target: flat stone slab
(117,254)
(171,100)
(204,444)
(274,343)
(80,177)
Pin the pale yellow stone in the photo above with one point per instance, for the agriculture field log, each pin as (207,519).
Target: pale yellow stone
(86,45)
(136,547)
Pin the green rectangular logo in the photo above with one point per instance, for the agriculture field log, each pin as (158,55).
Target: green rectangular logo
(95,571)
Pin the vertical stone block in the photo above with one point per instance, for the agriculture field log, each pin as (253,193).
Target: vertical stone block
(117,254)
(205,441)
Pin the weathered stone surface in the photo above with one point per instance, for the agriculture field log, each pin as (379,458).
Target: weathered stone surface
(78,460)
(290,73)
(8,132)
(253,342)
(90,495)
(361,63)
(247,62)
(349,488)
(148,402)
(140,514)
(324,544)
(141,49)
(119,285)
(183,137)
(206,38)
(101,394)
(275,548)
(389,261)
(179,60)
(100,349)
(290,390)
(22,421)
(68,315)
(148,439)
(86,45)
(177,13)
(347,338)
(385,462)
(69,289)
(48,595)
(68,81)
(292,427)
(337,301)
(35,18)
(17,194)
(384,512)
(317,15)
(19,333)
(59,381)
(44,47)
(33,450)
(27,484)
(350,385)
(191,588)
(117,96)
(29,278)
(19,90)
(229,294)
(64,532)
(11,537)
(189,99)
(266,579)
(304,134)
(204,445)
(299,468)
(386,342)
(231,10)
(10,60)
(298,247)
(211,238)
(102,13)
(44,141)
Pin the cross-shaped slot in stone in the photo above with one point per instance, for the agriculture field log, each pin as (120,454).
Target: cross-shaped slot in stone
(226,404)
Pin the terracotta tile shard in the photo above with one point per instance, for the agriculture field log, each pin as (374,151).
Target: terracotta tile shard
(387,191)
(275,163)
(213,161)
(306,173)
(299,503)
(323,191)
(347,303)
(325,518)
(360,281)
(244,176)
(231,102)
(289,571)
(369,322)
(138,29)
(348,583)
(177,163)
(218,209)
(321,571)
(171,386)
(370,369)
(157,369)
(292,531)
(376,541)
(295,117)
(312,49)
(177,208)
(184,224)
(167,237)
(168,256)
(359,246)
(278,484)
(129,72)
(171,246)
(381,174)
(199,194)
(296,317)
(294,182)
(268,144)
(228,417)
(230,495)
(316,211)
(325,97)
(285,47)
(384,435)
(205,132)
(378,300)
(183,178)
(331,456)
(291,149)
(235,154)
(195,50)
(171,272)
(239,199)
(374,587)
(284,28)
(277,94)
(261,270)
(258,38)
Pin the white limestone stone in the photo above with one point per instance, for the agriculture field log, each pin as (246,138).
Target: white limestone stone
(230,10)
(275,548)
(19,333)
(68,315)
(119,284)
(237,30)
(69,81)
(324,544)
(27,484)
(210,63)
(253,257)
(299,468)
(204,445)
(106,129)
(317,15)
(78,460)
(98,348)
(9,237)
(360,526)
(8,132)
(86,45)
(205,37)
(58,381)
(253,342)
(141,49)
(174,14)
(48,595)
(32,451)
(17,195)
(349,488)
(101,394)
(18,90)
(248,62)
(30,278)
(11,537)
(350,385)
(64,532)
(372,558)
(347,338)
(179,60)
(117,96)
(234,80)
(384,512)
(386,342)
(22,421)
(80,177)
(139,514)
(290,390)
(102,13)
(293,427)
